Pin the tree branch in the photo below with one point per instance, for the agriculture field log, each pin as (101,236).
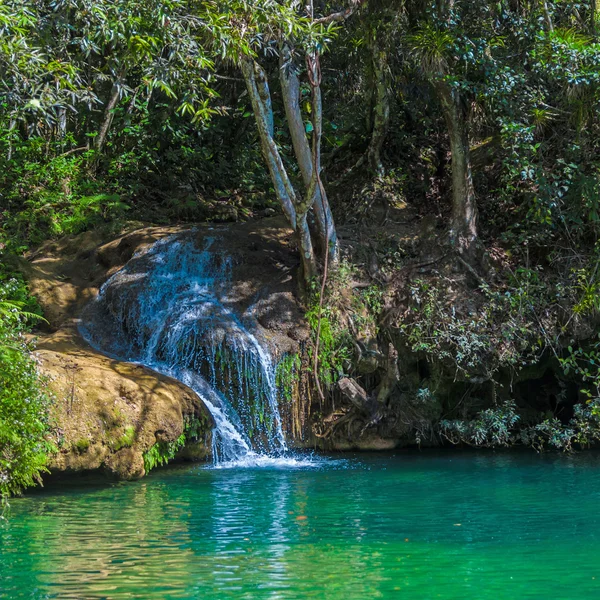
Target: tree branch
(342,15)
(74,150)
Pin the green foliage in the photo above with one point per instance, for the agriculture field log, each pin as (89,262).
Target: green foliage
(497,330)
(348,312)
(23,403)
(118,109)
(334,339)
(287,373)
(333,345)
(589,290)
(195,428)
(493,427)
(48,197)
(582,431)
(584,363)
(432,46)
(67,163)
(16,295)
(162,453)
(373,299)
(497,427)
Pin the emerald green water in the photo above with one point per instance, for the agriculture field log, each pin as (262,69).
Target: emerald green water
(452,525)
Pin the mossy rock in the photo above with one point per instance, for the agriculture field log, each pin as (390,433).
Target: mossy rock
(110,413)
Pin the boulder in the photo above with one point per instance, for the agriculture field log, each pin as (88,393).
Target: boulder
(107,413)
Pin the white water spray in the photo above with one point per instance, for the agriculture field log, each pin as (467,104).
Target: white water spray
(167,309)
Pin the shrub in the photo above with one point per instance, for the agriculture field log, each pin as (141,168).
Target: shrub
(492,428)
(23,404)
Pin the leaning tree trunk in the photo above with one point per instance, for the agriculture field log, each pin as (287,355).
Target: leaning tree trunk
(295,211)
(463,227)
(547,16)
(107,118)
(61,123)
(290,87)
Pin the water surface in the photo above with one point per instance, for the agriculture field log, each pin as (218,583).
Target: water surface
(410,525)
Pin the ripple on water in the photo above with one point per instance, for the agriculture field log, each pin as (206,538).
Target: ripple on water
(450,526)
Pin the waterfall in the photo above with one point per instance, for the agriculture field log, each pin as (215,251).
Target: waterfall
(169,310)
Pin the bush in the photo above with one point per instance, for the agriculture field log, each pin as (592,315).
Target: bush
(47,197)
(492,428)
(23,404)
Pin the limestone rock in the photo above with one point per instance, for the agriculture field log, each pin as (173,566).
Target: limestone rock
(109,413)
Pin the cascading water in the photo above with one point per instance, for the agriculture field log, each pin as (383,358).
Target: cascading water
(168,309)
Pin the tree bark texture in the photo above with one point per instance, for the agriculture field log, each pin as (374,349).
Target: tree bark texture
(290,86)
(381,104)
(463,227)
(547,16)
(355,393)
(295,211)
(107,118)
(391,376)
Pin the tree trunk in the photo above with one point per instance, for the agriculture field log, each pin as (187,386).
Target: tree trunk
(595,17)
(355,393)
(547,16)
(264,122)
(381,104)
(391,376)
(258,89)
(11,126)
(290,86)
(61,125)
(463,227)
(445,8)
(107,119)
(309,263)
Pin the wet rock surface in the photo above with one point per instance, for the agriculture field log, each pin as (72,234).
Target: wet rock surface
(108,413)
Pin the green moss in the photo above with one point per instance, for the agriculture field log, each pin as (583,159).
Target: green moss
(81,445)
(126,440)
(118,418)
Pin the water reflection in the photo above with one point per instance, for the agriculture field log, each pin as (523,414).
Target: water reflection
(450,527)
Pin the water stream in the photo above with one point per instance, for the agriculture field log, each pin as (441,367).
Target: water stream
(169,309)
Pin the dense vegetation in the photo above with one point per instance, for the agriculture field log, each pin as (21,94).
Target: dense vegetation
(23,404)
(458,144)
